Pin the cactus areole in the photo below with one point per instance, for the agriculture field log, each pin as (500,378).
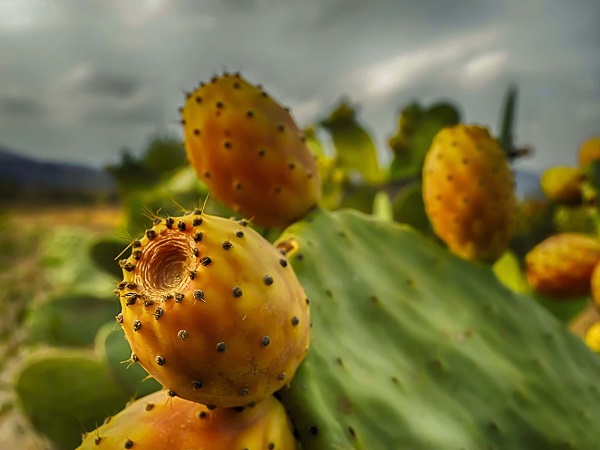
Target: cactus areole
(212,310)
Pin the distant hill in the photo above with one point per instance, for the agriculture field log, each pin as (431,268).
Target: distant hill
(23,177)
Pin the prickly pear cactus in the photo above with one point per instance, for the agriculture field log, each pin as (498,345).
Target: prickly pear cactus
(69,320)
(415,348)
(354,147)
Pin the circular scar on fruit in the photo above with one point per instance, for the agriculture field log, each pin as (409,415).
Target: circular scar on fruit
(166,265)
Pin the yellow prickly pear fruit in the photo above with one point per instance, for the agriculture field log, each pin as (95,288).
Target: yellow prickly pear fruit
(562,184)
(589,151)
(249,151)
(561,266)
(213,310)
(159,421)
(468,192)
(592,337)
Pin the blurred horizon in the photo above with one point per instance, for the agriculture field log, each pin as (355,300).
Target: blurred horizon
(81,81)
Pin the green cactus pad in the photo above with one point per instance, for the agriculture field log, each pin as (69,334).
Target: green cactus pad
(409,208)
(354,146)
(417,137)
(66,393)
(70,320)
(104,252)
(111,344)
(415,348)
(68,264)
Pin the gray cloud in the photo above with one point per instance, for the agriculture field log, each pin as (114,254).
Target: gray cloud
(21,106)
(144,111)
(111,84)
(110,72)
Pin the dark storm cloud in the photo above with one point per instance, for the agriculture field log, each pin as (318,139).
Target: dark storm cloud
(109,72)
(20,106)
(111,84)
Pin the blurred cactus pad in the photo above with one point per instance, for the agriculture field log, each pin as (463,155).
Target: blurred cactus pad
(415,348)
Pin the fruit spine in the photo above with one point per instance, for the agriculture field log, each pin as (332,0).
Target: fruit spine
(212,310)
(249,151)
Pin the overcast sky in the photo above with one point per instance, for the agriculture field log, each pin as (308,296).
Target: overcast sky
(80,79)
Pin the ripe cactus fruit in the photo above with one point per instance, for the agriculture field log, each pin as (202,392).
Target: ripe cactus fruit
(561,266)
(595,285)
(160,422)
(592,337)
(562,184)
(589,151)
(468,192)
(212,310)
(249,151)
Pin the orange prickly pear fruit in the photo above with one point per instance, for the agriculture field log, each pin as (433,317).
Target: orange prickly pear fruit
(589,151)
(595,285)
(561,266)
(468,192)
(212,310)
(249,151)
(161,422)
(562,184)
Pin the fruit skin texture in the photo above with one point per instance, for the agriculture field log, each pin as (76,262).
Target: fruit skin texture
(213,311)
(468,192)
(561,266)
(249,151)
(589,151)
(158,421)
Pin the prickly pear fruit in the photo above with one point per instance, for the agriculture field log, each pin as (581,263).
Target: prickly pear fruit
(561,266)
(468,192)
(562,184)
(212,310)
(589,151)
(249,151)
(592,337)
(595,285)
(158,421)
